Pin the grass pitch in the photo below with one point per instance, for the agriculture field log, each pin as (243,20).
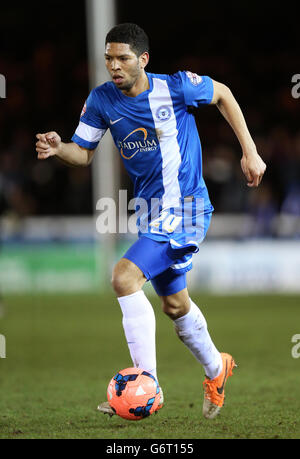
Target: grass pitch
(63,350)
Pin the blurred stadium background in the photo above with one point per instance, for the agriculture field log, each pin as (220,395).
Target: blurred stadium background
(48,234)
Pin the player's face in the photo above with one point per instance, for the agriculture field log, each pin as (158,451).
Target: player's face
(123,65)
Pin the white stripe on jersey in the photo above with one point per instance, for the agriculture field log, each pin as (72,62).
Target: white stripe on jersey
(167,135)
(89,133)
(181,265)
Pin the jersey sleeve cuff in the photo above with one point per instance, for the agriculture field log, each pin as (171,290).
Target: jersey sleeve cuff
(210,89)
(84,143)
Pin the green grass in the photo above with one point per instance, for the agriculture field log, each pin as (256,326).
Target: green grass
(63,350)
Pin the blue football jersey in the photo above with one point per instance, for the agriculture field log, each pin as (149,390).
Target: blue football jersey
(156,136)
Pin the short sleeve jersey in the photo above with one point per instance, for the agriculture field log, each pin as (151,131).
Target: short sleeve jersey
(155,133)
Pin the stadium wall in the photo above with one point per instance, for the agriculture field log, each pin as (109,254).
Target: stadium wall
(64,255)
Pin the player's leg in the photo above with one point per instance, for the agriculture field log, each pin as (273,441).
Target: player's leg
(191,328)
(128,278)
(138,315)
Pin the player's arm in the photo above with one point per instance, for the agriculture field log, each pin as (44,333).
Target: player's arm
(72,154)
(252,165)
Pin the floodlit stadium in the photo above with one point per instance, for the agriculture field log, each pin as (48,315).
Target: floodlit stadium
(64,229)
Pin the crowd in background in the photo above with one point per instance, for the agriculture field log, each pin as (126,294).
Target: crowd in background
(47,85)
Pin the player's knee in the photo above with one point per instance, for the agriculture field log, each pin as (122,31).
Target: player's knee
(119,280)
(124,279)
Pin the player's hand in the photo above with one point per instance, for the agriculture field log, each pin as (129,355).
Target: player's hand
(48,144)
(253,168)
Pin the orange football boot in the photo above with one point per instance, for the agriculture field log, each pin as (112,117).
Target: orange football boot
(214,388)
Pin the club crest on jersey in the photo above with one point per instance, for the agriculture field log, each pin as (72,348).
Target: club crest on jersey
(163,113)
(195,79)
(83,110)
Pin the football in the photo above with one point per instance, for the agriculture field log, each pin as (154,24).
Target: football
(133,394)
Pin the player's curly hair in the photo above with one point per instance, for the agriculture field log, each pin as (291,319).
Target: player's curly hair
(129,33)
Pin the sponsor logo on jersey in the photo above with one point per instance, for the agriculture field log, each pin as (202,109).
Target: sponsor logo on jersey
(129,146)
(195,79)
(163,113)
